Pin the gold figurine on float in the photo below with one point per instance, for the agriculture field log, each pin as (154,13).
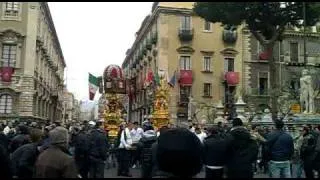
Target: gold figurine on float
(160,116)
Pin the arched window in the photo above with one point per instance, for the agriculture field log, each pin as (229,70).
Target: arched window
(5,104)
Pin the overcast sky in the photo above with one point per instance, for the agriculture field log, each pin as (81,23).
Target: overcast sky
(93,35)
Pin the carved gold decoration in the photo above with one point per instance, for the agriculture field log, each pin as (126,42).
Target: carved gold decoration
(112,114)
(160,115)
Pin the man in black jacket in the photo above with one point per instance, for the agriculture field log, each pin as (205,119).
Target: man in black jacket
(81,150)
(242,151)
(215,156)
(5,170)
(279,150)
(20,139)
(148,138)
(98,151)
(24,158)
(307,152)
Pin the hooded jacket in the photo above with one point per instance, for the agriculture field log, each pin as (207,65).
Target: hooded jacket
(55,163)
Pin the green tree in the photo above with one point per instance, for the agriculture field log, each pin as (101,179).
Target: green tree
(266,21)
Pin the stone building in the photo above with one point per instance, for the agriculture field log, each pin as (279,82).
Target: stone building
(76,111)
(289,54)
(71,108)
(173,39)
(32,63)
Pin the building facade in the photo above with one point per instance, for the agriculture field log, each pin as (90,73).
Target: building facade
(32,63)
(289,55)
(71,108)
(205,57)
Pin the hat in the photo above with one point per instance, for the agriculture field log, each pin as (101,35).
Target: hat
(179,152)
(58,135)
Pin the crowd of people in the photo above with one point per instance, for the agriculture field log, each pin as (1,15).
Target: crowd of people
(221,151)
(82,151)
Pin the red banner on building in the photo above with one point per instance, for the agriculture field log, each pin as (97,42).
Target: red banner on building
(185,77)
(6,73)
(266,55)
(232,78)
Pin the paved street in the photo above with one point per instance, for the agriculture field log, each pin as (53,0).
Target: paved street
(112,173)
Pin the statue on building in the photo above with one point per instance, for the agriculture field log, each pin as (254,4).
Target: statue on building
(306,92)
(267,116)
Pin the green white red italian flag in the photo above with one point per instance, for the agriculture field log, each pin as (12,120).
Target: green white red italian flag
(93,86)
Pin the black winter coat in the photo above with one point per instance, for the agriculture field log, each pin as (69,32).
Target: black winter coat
(98,145)
(145,145)
(307,151)
(5,170)
(18,141)
(81,145)
(215,150)
(242,152)
(23,160)
(4,141)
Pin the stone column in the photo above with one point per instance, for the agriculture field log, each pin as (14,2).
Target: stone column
(240,109)
(220,113)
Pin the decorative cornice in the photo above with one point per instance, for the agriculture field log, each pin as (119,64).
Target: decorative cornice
(185,50)
(16,32)
(52,27)
(229,51)
(209,53)
(9,90)
(301,34)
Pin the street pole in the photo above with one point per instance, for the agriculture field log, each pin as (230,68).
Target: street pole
(304,35)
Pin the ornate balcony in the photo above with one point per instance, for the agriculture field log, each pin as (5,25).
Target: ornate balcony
(229,34)
(186,34)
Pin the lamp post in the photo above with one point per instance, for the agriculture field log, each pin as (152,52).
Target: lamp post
(304,35)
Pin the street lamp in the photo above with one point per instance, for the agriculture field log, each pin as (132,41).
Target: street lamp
(304,35)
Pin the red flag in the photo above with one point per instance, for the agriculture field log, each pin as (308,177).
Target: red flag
(6,74)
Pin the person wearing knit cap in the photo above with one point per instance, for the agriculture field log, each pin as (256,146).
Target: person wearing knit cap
(55,162)
(179,153)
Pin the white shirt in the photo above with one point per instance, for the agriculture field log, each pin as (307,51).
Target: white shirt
(6,130)
(201,136)
(125,143)
(136,134)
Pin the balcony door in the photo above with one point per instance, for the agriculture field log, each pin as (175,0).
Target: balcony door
(185,22)
(228,64)
(185,92)
(263,83)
